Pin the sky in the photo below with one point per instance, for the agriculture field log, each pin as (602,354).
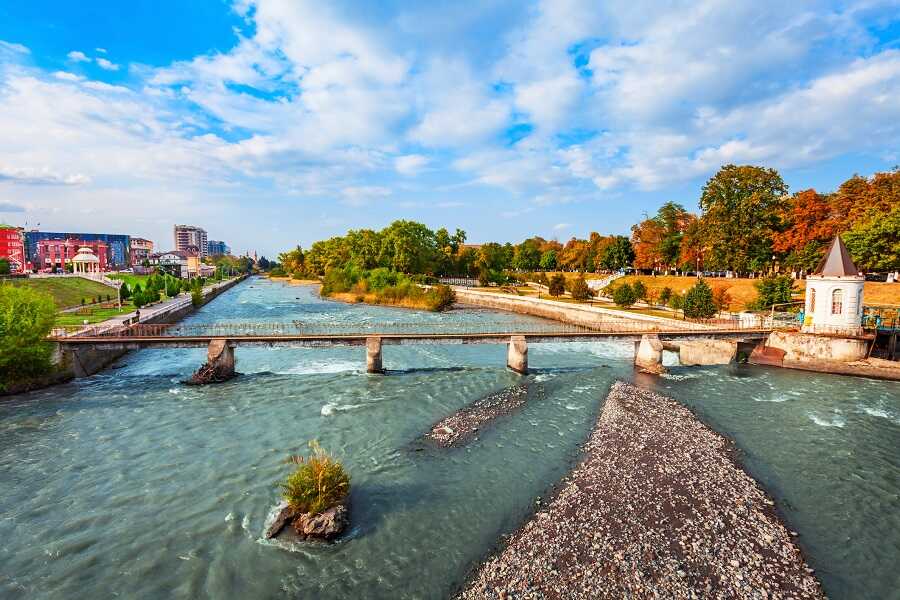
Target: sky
(276,122)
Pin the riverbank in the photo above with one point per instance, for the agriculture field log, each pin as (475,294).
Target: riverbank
(293,281)
(657,506)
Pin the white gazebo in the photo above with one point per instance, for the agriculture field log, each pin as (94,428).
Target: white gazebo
(85,261)
(834,294)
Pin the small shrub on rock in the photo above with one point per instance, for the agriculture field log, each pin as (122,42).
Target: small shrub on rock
(318,483)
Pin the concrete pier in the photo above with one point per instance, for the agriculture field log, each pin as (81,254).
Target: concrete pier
(517,355)
(373,355)
(648,354)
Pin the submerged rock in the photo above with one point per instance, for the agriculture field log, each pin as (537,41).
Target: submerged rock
(284,515)
(325,525)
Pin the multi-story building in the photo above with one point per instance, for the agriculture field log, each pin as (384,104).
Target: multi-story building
(118,247)
(54,255)
(180,263)
(217,247)
(189,235)
(12,248)
(141,250)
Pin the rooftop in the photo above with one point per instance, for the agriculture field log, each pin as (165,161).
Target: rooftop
(837,261)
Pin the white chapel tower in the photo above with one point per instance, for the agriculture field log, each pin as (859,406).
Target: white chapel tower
(834,294)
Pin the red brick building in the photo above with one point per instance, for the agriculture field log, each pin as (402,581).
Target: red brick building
(56,254)
(12,247)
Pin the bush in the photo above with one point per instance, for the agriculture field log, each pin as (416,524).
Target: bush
(665,295)
(624,295)
(277,272)
(721,297)
(381,278)
(440,298)
(640,290)
(197,298)
(319,482)
(26,317)
(698,302)
(676,302)
(557,285)
(579,289)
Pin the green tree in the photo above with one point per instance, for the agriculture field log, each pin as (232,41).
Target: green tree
(624,295)
(772,290)
(676,302)
(699,302)
(557,285)
(665,295)
(26,317)
(408,247)
(742,209)
(548,260)
(527,256)
(640,290)
(5,268)
(580,289)
(875,244)
(618,255)
(197,297)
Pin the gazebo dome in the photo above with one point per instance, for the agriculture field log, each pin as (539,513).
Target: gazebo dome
(86,255)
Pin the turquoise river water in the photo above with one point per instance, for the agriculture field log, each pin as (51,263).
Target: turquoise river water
(130,484)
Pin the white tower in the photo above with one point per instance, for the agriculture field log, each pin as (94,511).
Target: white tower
(834,294)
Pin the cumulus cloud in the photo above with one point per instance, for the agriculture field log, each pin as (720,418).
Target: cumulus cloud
(410,164)
(40,176)
(107,65)
(362,195)
(78,56)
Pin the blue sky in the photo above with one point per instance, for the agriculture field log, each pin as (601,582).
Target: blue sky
(272,122)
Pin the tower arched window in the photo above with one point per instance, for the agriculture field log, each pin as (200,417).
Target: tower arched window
(837,301)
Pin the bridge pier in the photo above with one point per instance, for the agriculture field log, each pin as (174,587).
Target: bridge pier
(373,355)
(219,365)
(517,354)
(648,354)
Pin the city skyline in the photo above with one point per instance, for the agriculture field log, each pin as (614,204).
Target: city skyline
(272,123)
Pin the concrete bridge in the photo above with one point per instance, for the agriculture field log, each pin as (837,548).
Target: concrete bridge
(705,343)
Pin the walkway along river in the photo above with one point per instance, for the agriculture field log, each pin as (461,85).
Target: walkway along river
(130,483)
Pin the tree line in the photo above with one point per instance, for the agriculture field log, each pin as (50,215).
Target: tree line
(747,223)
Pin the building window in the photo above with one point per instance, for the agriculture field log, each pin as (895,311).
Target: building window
(812,300)
(837,301)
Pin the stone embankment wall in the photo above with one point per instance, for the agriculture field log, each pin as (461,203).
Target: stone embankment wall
(576,314)
(808,347)
(84,362)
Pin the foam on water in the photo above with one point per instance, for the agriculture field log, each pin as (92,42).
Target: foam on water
(835,421)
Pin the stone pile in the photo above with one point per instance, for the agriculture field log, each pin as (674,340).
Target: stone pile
(326,525)
(464,424)
(656,509)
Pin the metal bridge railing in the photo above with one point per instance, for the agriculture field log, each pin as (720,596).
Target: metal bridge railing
(326,329)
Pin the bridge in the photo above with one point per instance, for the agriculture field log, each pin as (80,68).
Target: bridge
(221,339)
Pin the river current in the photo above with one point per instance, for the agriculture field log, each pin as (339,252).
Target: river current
(130,484)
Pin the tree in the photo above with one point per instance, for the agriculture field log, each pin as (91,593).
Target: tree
(665,295)
(875,245)
(618,255)
(698,302)
(580,289)
(527,256)
(624,295)
(742,208)
(26,317)
(676,302)
(408,247)
(772,290)
(548,260)
(640,290)
(264,263)
(5,268)
(557,285)
(721,297)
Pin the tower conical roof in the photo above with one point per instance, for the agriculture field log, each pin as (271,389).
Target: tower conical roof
(837,261)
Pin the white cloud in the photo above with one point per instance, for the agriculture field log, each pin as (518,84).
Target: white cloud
(363,195)
(13,48)
(40,176)
(100,50)
(78,56)
(561,226)
(107,65)
(66,76)
(410,164)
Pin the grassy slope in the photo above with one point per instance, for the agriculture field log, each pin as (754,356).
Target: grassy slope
(742,291)
(131,279)
(68,291)
(93,315)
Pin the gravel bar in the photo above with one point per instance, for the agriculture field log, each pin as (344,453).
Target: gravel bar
(657,508)
(462,425)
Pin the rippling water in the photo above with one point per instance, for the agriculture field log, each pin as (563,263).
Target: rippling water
(129,483)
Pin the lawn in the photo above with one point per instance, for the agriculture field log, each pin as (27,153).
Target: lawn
(131,279)
(68,291)
(93,315)
(742,291)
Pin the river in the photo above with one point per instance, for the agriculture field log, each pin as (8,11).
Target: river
(131,484)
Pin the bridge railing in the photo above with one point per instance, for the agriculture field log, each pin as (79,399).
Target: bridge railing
(387,328)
